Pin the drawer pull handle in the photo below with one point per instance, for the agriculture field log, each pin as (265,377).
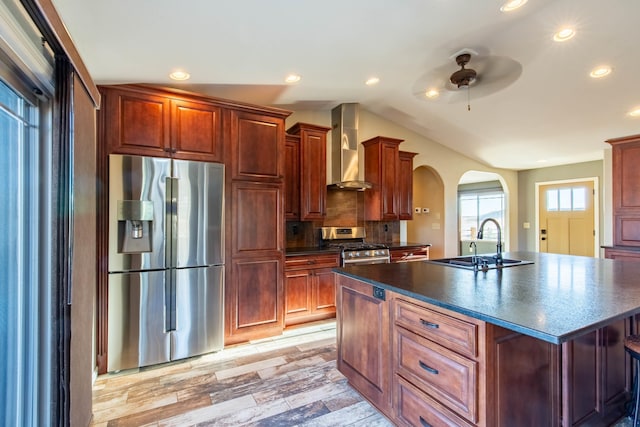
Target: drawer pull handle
(428,368)
(424,422)
(429,324)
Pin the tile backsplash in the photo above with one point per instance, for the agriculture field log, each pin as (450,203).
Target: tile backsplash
(344,209)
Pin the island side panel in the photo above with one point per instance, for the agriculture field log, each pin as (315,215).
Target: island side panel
(524,380)
(363,339)
(596,376)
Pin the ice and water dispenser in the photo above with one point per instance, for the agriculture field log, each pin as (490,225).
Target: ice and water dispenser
(135,226)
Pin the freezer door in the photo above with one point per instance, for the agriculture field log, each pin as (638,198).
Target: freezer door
(198,214)
(199,326)
(137,204)
(136,324)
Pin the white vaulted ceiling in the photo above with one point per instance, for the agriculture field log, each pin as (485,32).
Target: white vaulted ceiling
(533,105)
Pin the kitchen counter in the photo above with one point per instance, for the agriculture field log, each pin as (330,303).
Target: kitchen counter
(555,299)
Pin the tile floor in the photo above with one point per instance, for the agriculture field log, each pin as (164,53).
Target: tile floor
(289,380)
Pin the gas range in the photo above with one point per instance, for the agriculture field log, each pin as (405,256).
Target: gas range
(353,247)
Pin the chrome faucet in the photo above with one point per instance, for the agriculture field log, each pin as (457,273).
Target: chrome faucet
(474,258)
(499,245)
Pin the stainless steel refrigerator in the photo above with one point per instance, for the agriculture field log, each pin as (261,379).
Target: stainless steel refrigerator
(166,260)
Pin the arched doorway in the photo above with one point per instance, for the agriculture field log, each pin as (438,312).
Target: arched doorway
(428,216)
(481,195)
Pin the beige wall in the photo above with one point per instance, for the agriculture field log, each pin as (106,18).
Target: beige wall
(428,192)
(448,164)
(527,180)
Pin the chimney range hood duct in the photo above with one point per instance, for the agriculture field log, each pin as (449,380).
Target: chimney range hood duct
(344,148)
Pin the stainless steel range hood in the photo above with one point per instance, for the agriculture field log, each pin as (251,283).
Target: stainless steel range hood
(344,148)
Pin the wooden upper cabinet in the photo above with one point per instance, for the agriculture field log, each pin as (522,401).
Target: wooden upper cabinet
(405,185)
(148,122)
(136,122)
(257,144)
(626,191)
(312,169)
(381,168)
(292,177)
(196,131)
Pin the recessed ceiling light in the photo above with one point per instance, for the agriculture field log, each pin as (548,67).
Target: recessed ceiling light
(635,112)
(602,71)
(432,93)
(179,75)
(292,78)
(372,81)
(564,34)
(512,5)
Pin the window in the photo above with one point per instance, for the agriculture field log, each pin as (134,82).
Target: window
(566,199)
(476,206)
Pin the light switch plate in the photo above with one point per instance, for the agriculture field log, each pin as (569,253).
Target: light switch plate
(416,210)
(425,210)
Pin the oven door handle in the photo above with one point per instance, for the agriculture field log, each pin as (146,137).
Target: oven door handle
(367,260)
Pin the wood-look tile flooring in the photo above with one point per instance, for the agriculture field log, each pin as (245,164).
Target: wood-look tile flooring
(289,380)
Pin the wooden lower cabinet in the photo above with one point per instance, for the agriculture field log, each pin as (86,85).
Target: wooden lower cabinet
(622,254)
(423,365)
(254,299)
(415,408)
(364,338)
(309,288)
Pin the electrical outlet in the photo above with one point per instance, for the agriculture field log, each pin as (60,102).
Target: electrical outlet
(425,210)
(417,210)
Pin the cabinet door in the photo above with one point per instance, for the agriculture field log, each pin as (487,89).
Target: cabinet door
(405,185)
(297,291)
(257,144)
(292,177)
(257,219)
(363,340)
(626,196)
(381,164)
(256,302)
(324,290)
(313,182)
(136,123)
(196,131)
(389,183)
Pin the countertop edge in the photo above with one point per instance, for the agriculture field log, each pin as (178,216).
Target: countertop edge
(553,339)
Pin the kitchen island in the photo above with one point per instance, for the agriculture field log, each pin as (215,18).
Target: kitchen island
(538,344)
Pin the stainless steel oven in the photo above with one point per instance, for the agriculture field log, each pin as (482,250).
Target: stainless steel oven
(353,248)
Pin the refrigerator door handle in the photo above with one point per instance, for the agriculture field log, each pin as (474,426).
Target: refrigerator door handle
(170,300)
(171,232)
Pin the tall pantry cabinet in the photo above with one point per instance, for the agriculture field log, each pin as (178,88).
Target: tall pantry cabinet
(254,292)
(249,140)
(626,198)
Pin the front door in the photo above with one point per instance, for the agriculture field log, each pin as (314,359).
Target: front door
(566,213)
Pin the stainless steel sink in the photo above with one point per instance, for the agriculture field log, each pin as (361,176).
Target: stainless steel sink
(485,262)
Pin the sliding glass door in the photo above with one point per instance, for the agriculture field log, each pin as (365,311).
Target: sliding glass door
(24,255)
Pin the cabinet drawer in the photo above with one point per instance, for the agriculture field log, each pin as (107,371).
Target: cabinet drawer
(448,331)
(311,261)
(417,409)
(441,373)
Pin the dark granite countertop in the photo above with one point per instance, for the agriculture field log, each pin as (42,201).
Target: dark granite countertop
(400,245)
(555,299)
(313,250)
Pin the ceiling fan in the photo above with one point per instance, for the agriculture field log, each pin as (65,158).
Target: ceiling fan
(488,74)
(464,76)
